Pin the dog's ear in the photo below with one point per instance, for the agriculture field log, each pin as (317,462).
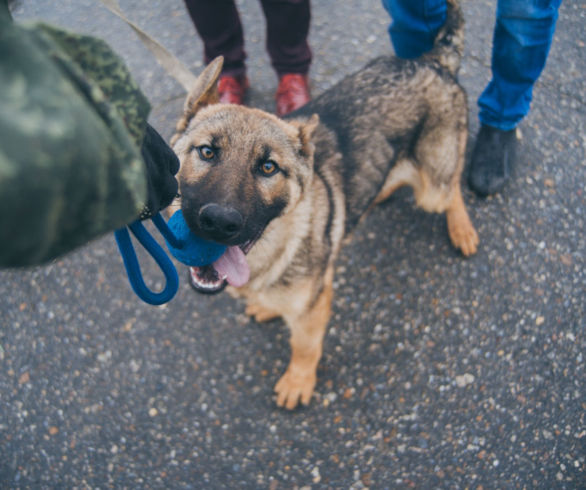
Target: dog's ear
(204,92)
(305,131)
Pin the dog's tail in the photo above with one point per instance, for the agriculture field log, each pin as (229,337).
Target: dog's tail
(449,43)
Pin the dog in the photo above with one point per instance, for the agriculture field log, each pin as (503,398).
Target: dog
(283,193)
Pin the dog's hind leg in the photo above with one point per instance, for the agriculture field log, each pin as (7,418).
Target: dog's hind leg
(440,154)
(460,228)
(307,333)
(462,233)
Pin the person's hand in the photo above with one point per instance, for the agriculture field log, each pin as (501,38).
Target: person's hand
(161,165)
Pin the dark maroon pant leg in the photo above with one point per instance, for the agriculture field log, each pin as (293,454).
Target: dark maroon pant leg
(218,24)
(287,30)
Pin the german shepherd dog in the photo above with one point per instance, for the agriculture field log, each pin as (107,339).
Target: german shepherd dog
(283,193)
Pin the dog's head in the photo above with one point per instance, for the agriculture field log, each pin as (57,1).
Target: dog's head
(240,168)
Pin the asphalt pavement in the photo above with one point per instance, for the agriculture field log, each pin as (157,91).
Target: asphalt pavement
(438,371)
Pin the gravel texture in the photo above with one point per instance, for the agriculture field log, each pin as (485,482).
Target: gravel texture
(438,372)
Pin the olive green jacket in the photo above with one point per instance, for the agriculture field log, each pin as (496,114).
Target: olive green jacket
(71,126)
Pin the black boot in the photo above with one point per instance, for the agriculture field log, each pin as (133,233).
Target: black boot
(492,160)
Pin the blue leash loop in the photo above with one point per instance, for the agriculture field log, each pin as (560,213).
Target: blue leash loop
(156,251)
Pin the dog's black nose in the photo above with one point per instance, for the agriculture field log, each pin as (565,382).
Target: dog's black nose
(220,222)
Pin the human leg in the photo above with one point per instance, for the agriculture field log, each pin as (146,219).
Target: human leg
(522,38)
(415,25)
(218,24)
(287,30)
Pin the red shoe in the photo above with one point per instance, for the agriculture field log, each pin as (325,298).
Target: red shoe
(232,89)
(292,93)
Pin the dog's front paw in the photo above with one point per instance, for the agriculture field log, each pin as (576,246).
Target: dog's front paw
(260,313)
(293,387)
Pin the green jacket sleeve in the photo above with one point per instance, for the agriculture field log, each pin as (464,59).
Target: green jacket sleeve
(71,125)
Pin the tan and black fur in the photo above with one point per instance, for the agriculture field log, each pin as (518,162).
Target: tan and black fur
(393,123)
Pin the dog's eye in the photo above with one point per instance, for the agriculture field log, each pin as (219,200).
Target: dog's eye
(206,152)
(268,168)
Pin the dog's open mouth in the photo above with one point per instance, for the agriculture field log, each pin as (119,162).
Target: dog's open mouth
(231,268)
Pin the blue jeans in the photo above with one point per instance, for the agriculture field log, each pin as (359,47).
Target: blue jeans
(522,37)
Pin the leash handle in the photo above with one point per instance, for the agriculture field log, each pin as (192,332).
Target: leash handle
(162,226)
(156,251)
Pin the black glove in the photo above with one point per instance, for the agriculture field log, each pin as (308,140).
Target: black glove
(161,165)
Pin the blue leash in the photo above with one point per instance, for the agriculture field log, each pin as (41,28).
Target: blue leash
(181,242)
(156,251)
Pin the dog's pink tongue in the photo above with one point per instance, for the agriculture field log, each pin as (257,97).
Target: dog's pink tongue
(232,264)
